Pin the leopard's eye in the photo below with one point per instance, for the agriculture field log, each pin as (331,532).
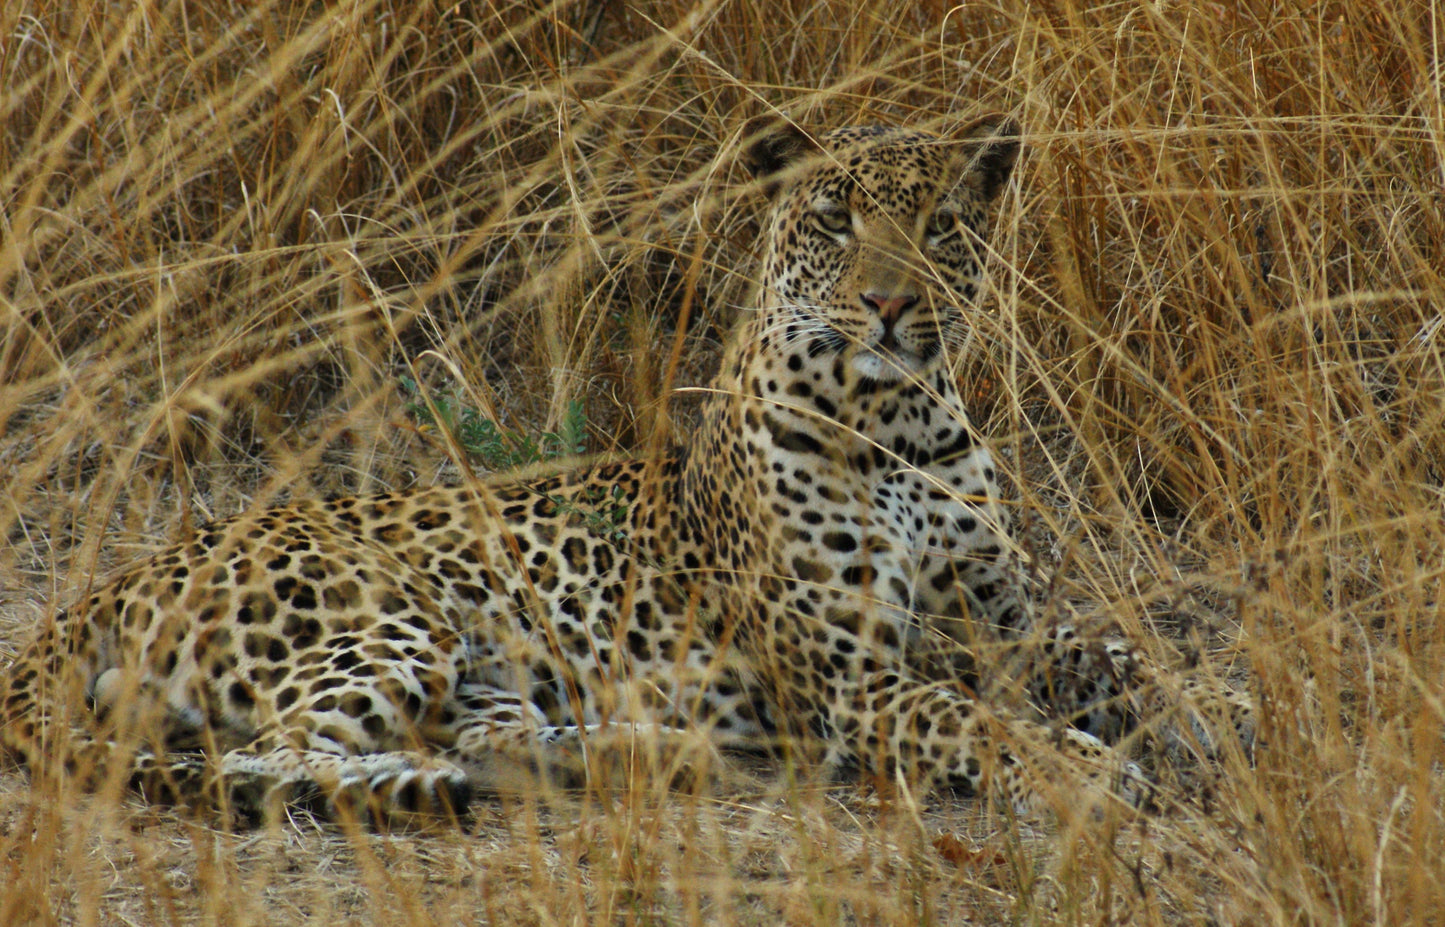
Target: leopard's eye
(834,220)
(941,223)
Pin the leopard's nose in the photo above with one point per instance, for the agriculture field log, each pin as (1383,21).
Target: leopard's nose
(889,308)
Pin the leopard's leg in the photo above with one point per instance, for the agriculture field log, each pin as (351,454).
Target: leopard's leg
(1099,682)
(369,771)
(508,744)
(386,788)
(45,717)
(1103,684)
(845,665)
(942,737)
(338,721)
(73,723)
(1194,716)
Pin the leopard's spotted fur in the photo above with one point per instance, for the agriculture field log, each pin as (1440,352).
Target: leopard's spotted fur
(821,559)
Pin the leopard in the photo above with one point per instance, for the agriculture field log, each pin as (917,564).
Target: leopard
(825,560)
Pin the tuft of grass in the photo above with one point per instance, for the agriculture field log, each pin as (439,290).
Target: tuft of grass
(1212,356)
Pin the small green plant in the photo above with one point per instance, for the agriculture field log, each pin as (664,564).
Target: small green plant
(604,513)
(495,447)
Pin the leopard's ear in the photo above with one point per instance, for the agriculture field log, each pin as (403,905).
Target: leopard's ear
(991,146)
(770,146)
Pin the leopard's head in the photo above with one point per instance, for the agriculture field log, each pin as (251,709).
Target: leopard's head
(875,237)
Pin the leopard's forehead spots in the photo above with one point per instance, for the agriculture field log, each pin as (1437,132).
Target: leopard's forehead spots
(895,170)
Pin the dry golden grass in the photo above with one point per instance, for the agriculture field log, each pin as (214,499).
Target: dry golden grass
(1213,358)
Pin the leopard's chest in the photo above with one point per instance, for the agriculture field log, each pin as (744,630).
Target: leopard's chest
(866,502)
